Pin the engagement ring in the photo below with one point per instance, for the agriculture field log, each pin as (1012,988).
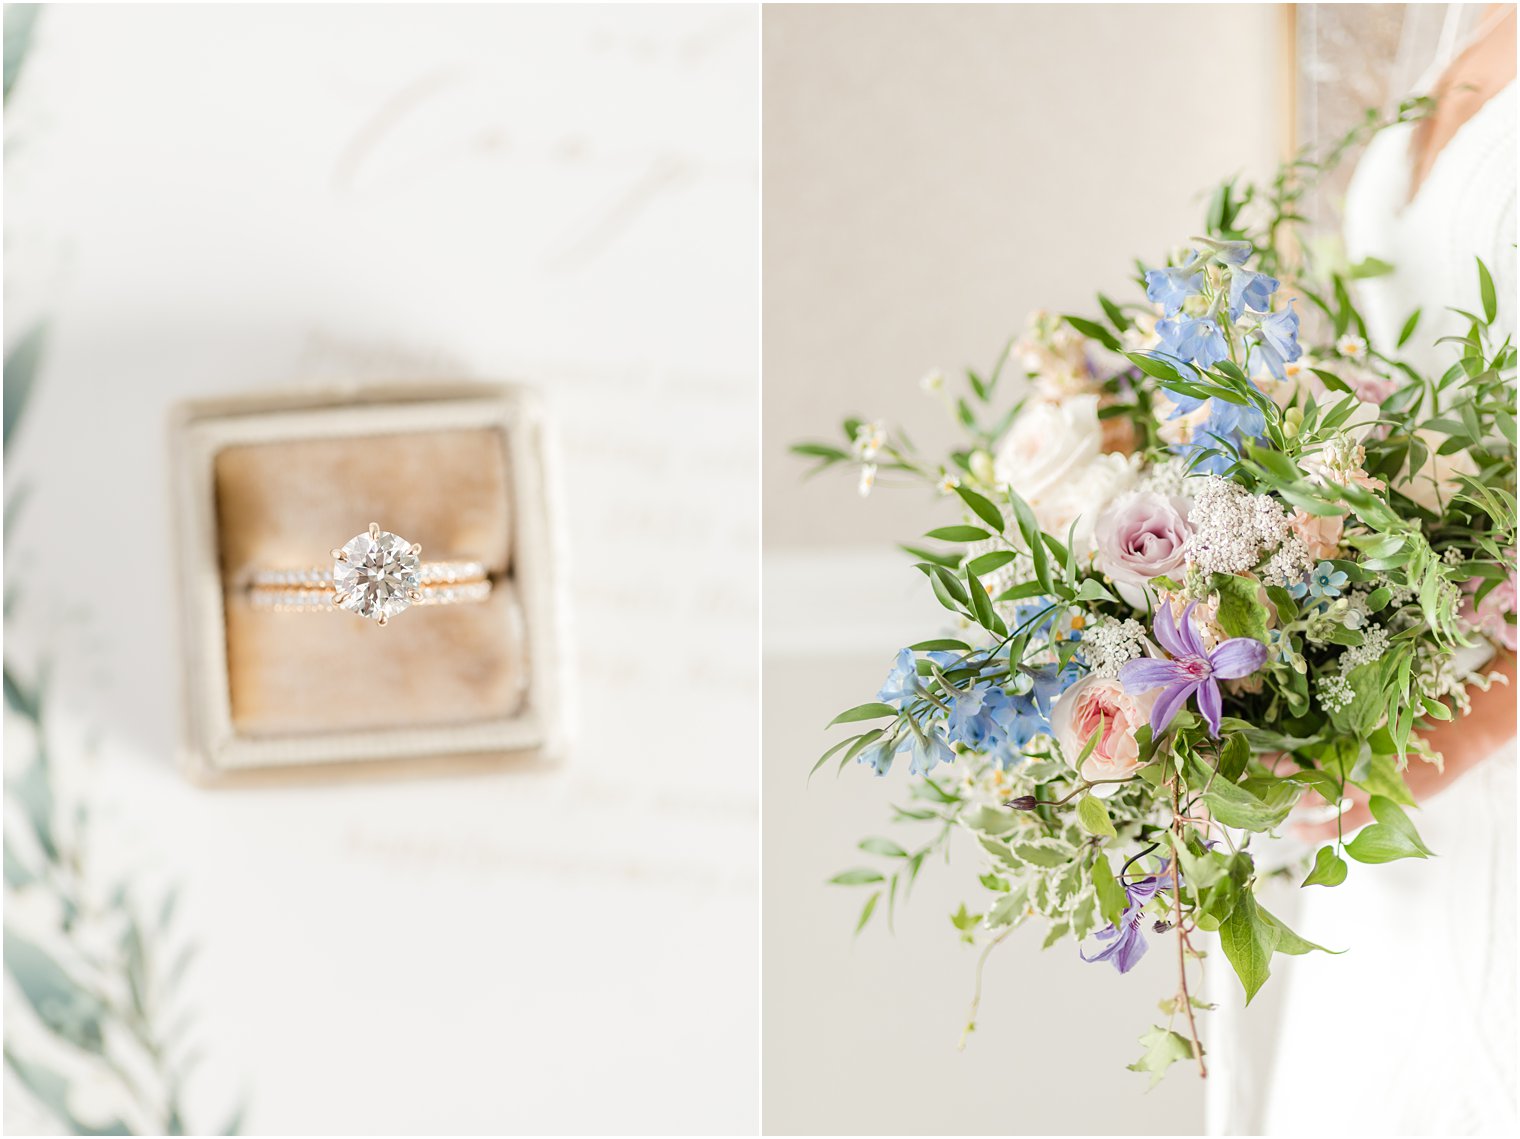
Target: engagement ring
(376,575)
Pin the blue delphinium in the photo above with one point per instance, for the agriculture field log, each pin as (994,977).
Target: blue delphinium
(1193,340)
(928,747)
(1170,288)
(978,718)
(902,682)
(982,717)
(1278,343)
(1231,292)
(878,756)
(1228,426)
(1250,290)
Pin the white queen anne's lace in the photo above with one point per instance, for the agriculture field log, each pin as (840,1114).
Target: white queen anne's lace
(1289,565)
(1232,528)
(1108,643)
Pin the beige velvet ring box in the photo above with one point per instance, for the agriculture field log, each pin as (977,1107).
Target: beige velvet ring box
(275,482)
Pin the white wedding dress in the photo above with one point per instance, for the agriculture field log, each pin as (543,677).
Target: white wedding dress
(1413,1029)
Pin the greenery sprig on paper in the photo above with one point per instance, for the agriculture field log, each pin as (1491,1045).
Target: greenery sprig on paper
(1202,574)
(101,1035)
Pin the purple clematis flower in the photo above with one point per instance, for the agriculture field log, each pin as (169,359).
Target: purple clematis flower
(1127,943)
(1190,670)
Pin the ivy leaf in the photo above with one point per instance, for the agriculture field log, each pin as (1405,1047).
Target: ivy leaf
(1092,816)
(1329,869)
(1163,1048)
(1248,941)
(964,920)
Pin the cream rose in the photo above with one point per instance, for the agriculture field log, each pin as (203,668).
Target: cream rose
(1434,483)
(1082,498)
(1097,704)
(1046,445)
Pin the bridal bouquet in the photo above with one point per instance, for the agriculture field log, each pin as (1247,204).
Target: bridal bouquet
(1197,571)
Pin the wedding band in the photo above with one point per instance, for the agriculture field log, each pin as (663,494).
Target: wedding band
(377,575)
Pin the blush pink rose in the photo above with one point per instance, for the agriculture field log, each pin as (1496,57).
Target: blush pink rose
(1368,386)
(1321,533)
(1100,704)
(1490,616)
(1141,536)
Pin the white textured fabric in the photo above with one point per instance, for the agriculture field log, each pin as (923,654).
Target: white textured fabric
(1464,209)
(1412,1031)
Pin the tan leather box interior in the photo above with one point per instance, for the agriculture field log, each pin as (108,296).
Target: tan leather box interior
(285,505)
(274,482)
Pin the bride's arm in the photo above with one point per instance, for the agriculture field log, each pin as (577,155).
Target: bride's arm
(1464,742)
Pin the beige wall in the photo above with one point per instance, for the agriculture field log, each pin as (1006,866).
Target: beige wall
(932,174)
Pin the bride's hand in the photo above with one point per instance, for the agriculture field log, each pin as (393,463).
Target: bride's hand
(1464,741)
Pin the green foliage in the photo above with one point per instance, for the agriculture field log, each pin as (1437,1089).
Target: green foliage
(1357,652)
(1392,837)
(1241,613)
(1248,940)
(1329,869)
(1093,817)
(1162,1048)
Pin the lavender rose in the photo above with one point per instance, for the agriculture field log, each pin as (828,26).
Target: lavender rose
(1141,537)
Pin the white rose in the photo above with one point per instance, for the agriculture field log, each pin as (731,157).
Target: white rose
(1046,445)
(1082,498)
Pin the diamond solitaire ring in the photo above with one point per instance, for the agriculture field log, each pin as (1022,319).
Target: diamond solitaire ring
(376,575)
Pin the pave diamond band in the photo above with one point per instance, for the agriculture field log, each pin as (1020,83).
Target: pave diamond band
(377,575)
(428,574)
(289,599)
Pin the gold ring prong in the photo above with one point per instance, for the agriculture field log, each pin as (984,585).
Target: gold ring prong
(374,529)
(336,552)
(416,548)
